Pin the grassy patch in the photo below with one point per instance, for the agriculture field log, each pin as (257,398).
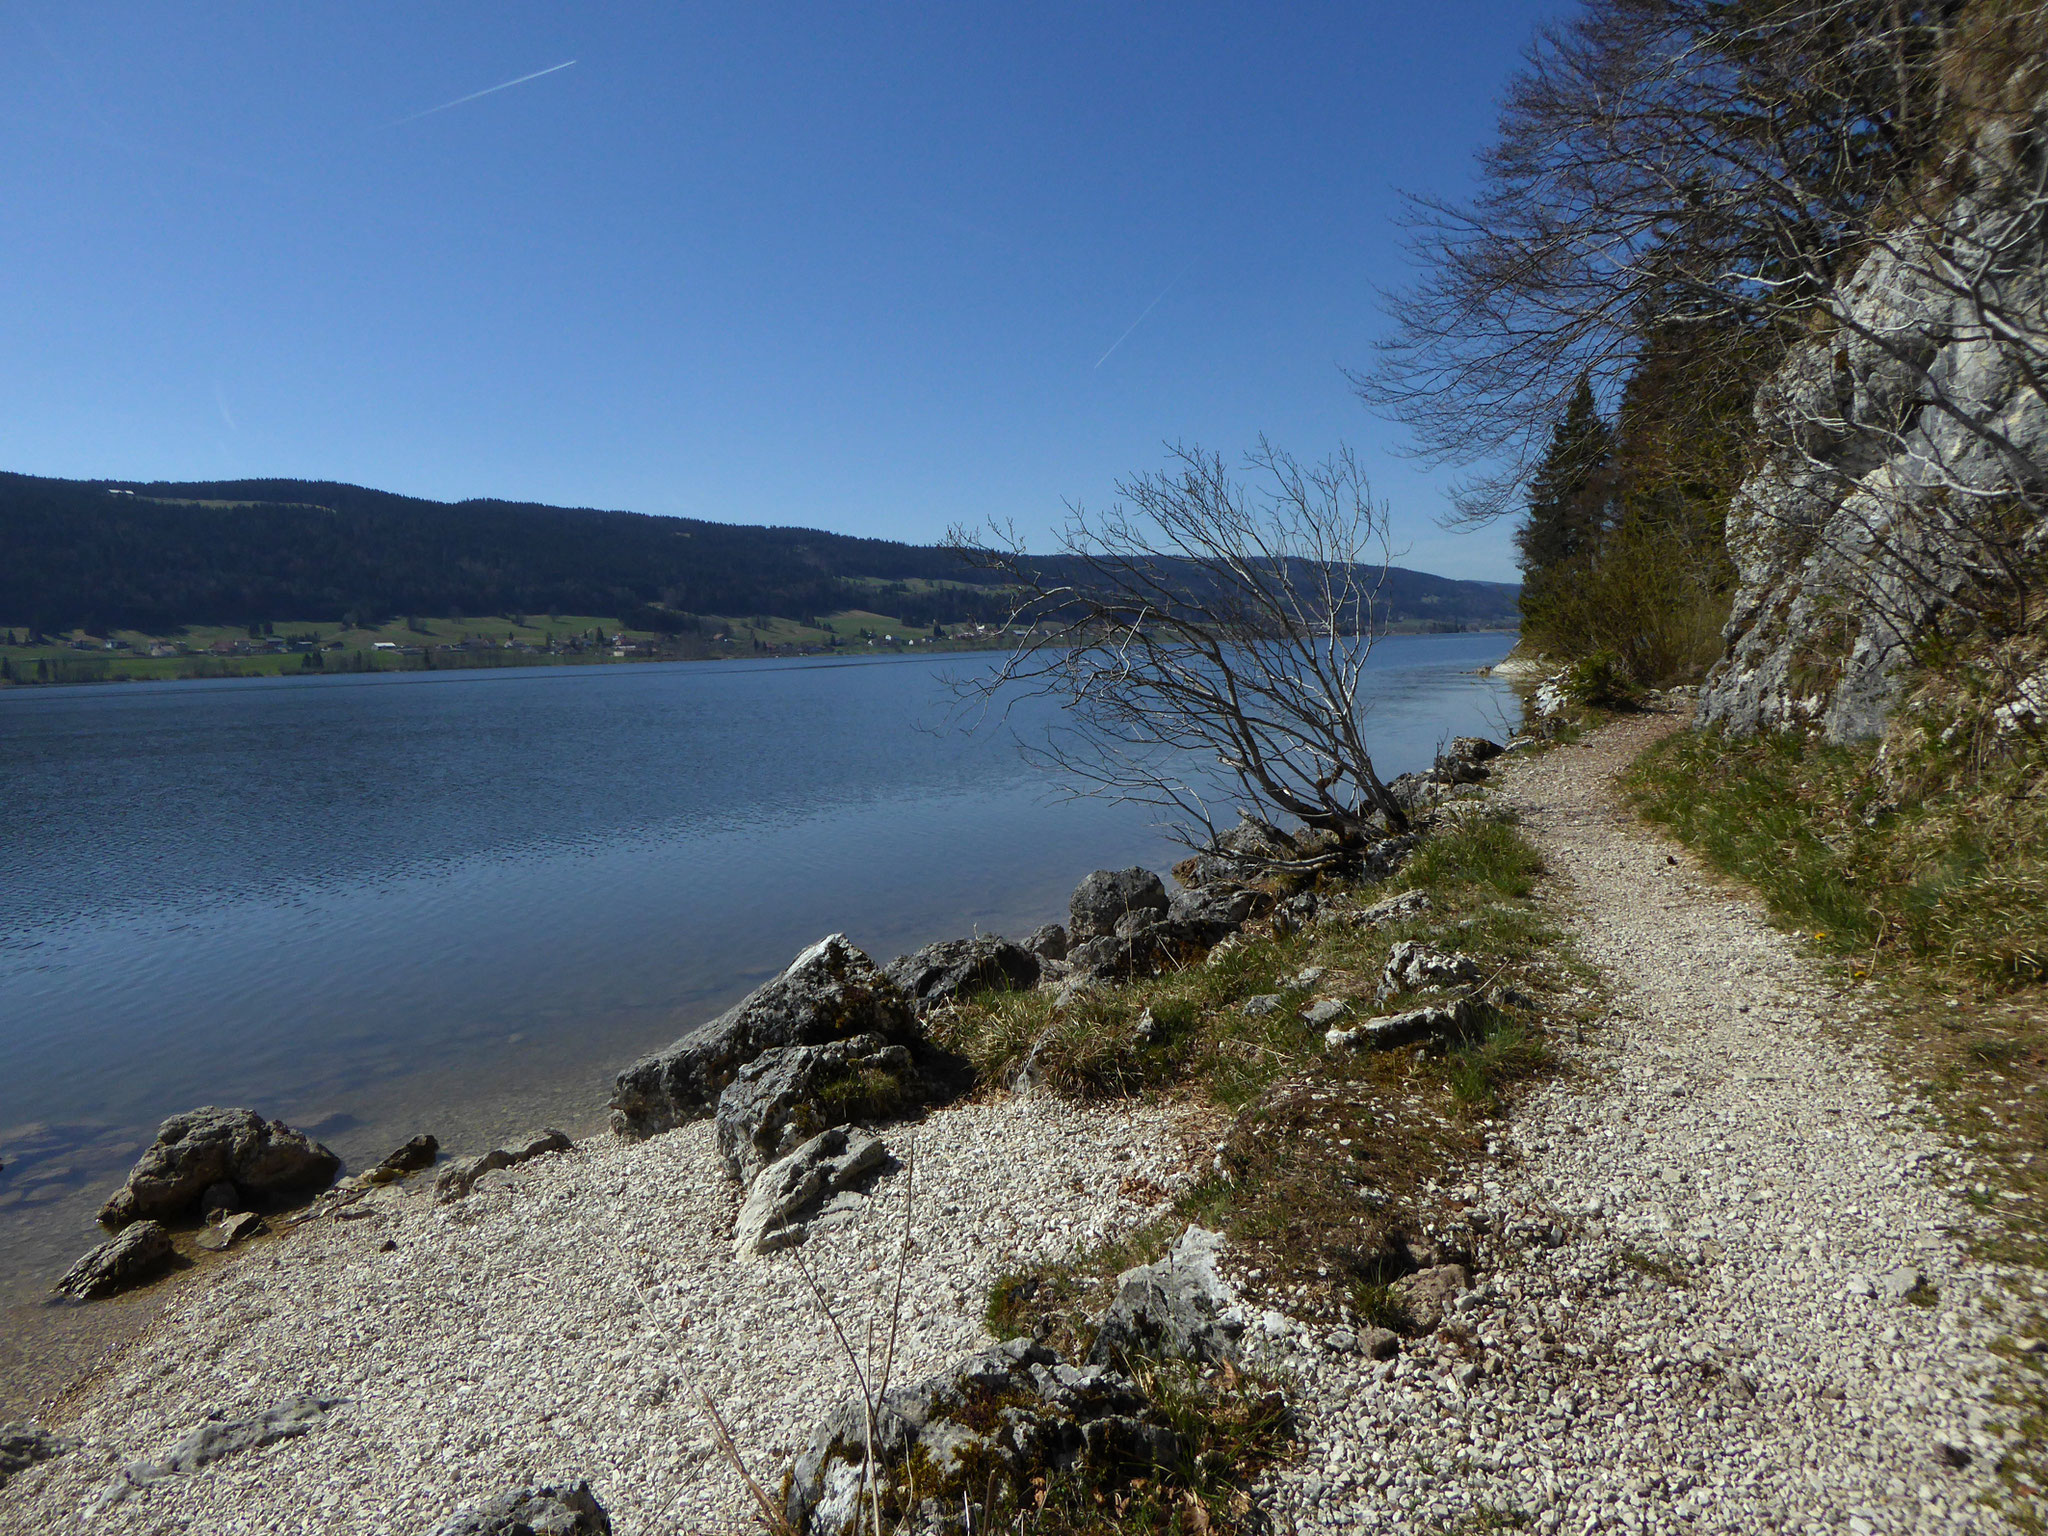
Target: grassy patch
(1337,1174)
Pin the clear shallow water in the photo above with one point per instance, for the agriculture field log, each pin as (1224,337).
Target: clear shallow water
(457,902)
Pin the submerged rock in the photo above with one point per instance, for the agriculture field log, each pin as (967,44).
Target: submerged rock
(786,1096)
(141,1249)
(829,992)
(206,1147)
(1015,1412)
(566,1508)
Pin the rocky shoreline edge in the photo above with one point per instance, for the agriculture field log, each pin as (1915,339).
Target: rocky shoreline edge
(817,1098)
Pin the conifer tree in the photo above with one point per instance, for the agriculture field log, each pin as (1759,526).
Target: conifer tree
(1568,498)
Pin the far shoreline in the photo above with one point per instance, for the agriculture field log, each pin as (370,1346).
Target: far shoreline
(363,663)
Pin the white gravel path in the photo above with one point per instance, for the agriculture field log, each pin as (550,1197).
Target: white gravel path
(1717,1124)
(561,1320)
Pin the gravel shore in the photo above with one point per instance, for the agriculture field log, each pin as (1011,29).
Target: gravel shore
(1756,1316)
(562,1321)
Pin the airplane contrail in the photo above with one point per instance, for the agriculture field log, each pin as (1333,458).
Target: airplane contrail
(486,91)
(1183,272)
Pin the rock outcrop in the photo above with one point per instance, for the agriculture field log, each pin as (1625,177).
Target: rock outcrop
(566,1508)
(1109,896)
(784,1097)
(262,1159)
(216,1438)
(830,992)
(1404,1028)
(135,1255)
(954,968)
(1413,965)
(1891,438)
(1179,1307)
(794,1188)
(1008,1414)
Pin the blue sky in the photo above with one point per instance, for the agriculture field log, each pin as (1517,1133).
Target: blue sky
(846,266)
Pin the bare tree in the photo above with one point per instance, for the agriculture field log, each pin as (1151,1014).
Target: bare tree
(1205,620)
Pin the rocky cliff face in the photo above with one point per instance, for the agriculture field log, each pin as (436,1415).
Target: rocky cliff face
(1905,455)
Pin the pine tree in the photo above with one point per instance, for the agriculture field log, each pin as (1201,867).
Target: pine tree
(1568,495)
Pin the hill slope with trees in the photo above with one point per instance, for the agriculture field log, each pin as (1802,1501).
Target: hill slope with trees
(99,555)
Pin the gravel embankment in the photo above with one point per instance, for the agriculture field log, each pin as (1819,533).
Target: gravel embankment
(562,1321)
(1722,1340)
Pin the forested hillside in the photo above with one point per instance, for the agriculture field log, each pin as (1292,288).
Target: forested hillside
(154,557)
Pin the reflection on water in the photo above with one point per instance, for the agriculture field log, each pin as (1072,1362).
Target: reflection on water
(457,902)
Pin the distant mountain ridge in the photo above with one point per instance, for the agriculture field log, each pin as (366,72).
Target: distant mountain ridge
(159,555)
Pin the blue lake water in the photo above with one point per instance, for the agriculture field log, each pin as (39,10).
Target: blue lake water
(456,902)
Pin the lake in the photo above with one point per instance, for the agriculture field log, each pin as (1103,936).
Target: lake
(457,902)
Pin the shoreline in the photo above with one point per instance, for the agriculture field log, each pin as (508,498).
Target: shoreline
(869,652)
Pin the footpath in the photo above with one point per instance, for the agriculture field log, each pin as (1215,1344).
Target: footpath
(1734,1295)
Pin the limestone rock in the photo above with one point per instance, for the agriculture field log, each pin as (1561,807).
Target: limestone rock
(23,1445)
(1295,914)
(1217,909)
(1379,1343)
(1462,762)
(1412,965)
(957,967)
(136,1254)
(829,992)
(460,1176)
(786,1096)
(565,1508)
(771,1216)
(1325,1013)
(1140,948)
(1429,1294)
(1048,943)
(1245,852)
(416,1154)
(1177,1307)
(1016,1408)
(1106,897)
(209,1442)
(230,1230)
(1394,909)
(1845,546)
(209,1146)
(1393,1029)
